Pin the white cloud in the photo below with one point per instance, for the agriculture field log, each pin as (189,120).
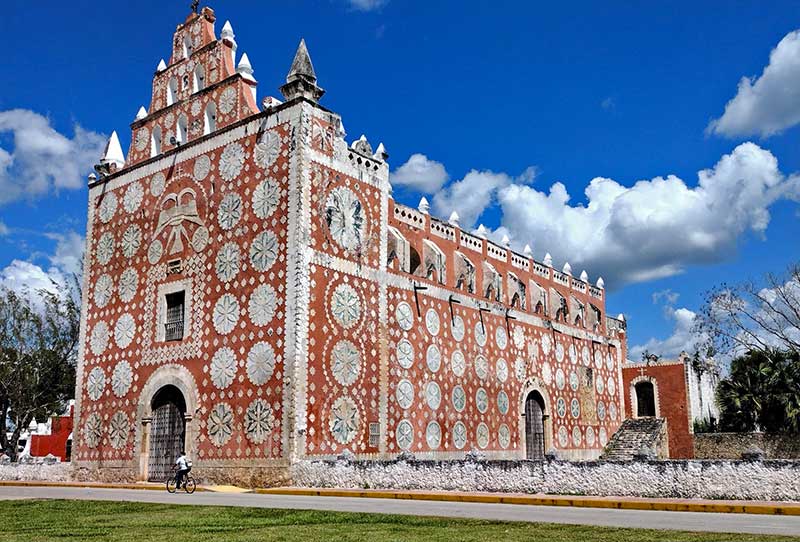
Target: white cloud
(421,174)
(68,255)
(367,5)
(683,338)
(42,158)
(769,104)
(3,229)
(470,196)
(653,229)
(26,277)
(667,296)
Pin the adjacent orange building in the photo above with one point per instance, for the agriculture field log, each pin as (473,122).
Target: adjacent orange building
(255,295)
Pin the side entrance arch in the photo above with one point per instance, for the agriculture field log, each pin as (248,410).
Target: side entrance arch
(535,428)
(167,432)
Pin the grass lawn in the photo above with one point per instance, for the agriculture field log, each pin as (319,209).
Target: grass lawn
(46,520)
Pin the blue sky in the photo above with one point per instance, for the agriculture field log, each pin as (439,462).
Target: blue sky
(499,100)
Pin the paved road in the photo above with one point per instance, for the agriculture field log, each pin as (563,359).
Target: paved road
(688,521)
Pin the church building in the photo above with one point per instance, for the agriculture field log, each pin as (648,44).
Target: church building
(255,296)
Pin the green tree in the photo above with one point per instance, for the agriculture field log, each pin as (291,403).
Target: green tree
(38,352)
(761,393)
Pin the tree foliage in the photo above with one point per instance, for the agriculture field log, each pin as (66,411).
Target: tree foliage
(761,393)
(753,317)
(38,352)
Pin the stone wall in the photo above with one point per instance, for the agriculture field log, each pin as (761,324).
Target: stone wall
(732,445)
(757,480)
(58,472)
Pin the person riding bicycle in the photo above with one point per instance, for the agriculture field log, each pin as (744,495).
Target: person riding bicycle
(184,465)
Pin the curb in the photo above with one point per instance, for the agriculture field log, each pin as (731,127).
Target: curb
(87,485)
(668,505)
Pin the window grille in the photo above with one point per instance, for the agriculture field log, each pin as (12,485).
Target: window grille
(173,326)
(374,434)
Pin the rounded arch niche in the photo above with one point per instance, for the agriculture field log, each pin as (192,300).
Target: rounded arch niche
(534,390)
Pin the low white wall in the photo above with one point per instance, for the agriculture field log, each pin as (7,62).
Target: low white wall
(59,472)
(761,480)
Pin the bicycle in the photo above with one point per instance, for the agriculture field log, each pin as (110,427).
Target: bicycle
(189,484)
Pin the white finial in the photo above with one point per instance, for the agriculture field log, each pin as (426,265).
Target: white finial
(161,66)
(621,317)
(505,241)
(142,113)
(584,276)
(453,220)
(424,206)
(601,283)
(113,154)
(227,31)
(245,68)
(482,231)
(548,260)
(340,129)
(567,270)
(380,153)
(270,101)
(527,251)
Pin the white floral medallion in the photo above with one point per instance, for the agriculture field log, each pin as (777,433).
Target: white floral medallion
(404,315)
(598,360)
(200,239)
(459,398)
(575,408)
(405,353)
(502,402)
(227,262)
(457,329)
(599,384)
(260,363)
(345,217)
(222,368)
(128,284)
(264,251)
(481,367)
(459,435)
(561,379)
(482,400)
(559,352)
(118,429)
(344,420)
(202,167)
(125,330)
(501,337)
(231,161)
(220,424)
(610,362)
(577,437)
(230,211)
(574,381)
(226,314)
(267,149)
(563,437)
(266,197)
(345,305)
(573,354)
(108,206)
(99,338)
(601,410)
(433,358)
(432,322)
(227,100)
(603,436)
(504,436)
(480,333)
(345,362)
(433,435)
(142,138)
(262,305)
(404,393)
(433,395)
(259,421)
(103,288)
(587,360)
(561,407)
(105,248)
(95,383)
(502,370)
(157,184)
(133,197)
(93,430)
(404,435)
(519,337)
(612,411)
(590,436)
(131,241)
(457,363)
(547,373)
(611,385)
(520,369)
(155,251)
(547,344)
(482,435)
(121,378)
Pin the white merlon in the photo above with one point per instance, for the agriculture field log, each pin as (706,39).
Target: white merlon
(142,113)
(424,206)
(548,260)
(505,241)
(601,283)
(567,270)
(161,66)
(527,251)
(584,276)
(380,153)
(245,68)
(482,231)
(113,153)
(453,220)
(227,31)
(621,317)
(340,129)
(270,101)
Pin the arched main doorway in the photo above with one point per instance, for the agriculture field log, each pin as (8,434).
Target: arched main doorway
(167,432)
(645,399)
(534,426)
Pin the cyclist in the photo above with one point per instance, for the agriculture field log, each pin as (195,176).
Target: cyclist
(183,465)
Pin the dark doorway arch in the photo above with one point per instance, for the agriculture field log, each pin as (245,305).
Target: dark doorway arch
(534,426)
(645,399)
(167,432)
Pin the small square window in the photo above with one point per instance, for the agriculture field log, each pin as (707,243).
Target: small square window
(173,326)
(374,434)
